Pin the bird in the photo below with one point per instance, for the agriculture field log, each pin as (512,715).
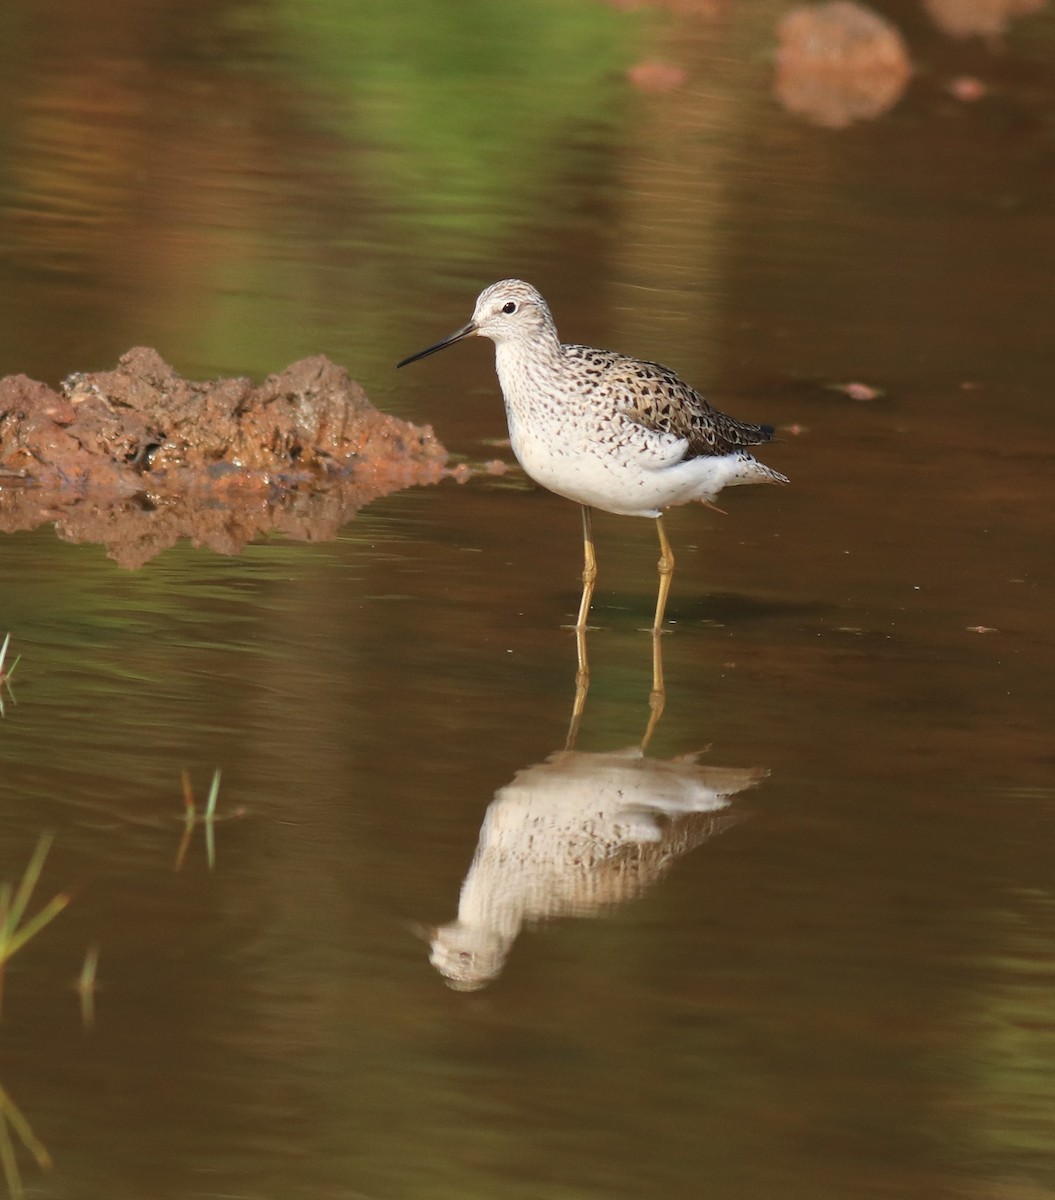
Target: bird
(608,431)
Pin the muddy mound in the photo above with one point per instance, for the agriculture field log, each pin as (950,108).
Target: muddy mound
(137,457)
(840,62)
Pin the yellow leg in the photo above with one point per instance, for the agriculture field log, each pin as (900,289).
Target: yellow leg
(589,570)
(658,696)
(666,571)
(582,674)
(582,686)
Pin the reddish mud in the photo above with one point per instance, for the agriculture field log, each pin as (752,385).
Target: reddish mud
(137,458)
(979,18)
(840,62)
(654,76)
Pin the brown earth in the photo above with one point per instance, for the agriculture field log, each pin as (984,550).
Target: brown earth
(137,458)
(839,62)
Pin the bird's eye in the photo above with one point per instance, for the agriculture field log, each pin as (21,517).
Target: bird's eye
(510,306)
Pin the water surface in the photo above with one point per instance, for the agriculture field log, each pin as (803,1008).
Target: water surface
(845,994)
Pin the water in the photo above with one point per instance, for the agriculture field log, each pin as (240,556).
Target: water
(847,993)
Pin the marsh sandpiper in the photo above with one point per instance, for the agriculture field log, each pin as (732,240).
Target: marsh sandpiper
(610,432)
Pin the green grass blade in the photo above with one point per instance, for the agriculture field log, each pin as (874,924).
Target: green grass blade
(86,985)
(10,1112)
(210,813)
(10,1166)
(30,877)
(214,792)
(5,910)
(16,939)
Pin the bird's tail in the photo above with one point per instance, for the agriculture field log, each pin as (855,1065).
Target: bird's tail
(750,470)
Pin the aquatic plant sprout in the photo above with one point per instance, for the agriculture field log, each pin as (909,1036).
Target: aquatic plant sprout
(14,933)
(5,675)
(190,819)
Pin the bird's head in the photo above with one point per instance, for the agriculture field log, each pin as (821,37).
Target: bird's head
(508,311)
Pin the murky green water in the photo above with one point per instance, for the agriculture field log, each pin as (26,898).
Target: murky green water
(845,991)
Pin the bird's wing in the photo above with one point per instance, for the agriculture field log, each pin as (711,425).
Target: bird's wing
(656,398)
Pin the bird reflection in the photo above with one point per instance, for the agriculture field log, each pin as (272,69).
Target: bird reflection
(574,836)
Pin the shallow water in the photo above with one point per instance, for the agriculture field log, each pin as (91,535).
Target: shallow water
(847,990)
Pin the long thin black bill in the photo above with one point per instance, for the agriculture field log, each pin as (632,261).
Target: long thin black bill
(447,341)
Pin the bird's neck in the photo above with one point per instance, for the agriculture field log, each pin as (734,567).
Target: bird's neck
(523,366)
